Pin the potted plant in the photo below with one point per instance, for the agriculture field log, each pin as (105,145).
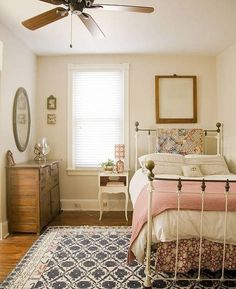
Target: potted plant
(108,165)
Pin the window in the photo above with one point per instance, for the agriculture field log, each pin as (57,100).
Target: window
(97,113)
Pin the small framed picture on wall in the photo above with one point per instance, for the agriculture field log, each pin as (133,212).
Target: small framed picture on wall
(51,102)
(51,118)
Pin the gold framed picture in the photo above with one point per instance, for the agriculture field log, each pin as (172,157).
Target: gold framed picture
(176,99)
(51,102)
(51,118)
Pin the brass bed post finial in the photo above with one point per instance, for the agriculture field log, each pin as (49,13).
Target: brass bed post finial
(218,125)
(150,166)
(136,126)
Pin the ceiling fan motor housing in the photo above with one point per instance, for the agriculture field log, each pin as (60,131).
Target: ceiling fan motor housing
(77,6)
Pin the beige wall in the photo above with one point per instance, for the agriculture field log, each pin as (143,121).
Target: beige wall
(18,69)
(226,92)
(52,79)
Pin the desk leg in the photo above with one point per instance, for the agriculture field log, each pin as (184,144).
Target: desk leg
(126,203)
(100,203)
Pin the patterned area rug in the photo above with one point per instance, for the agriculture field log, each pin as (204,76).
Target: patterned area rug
(88,257)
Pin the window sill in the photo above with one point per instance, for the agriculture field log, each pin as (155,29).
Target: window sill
(83,171)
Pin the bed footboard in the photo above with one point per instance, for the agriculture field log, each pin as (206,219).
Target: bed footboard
(202,190)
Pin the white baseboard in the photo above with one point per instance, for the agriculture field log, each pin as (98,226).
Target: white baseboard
(92,205)
(4,230)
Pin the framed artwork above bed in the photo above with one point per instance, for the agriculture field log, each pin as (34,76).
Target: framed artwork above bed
(176,99)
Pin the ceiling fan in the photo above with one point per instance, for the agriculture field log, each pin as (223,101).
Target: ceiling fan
(77,7)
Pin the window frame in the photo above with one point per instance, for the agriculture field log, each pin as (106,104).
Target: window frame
(124,67)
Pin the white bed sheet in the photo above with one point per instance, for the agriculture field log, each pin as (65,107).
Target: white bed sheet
(164,225)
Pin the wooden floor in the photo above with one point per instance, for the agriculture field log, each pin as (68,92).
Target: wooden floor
(15,246)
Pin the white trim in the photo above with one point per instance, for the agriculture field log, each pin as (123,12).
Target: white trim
(83,172)
(126,116)
(1,55)
(69,120)
(4,230)
(99,67)
(92,205)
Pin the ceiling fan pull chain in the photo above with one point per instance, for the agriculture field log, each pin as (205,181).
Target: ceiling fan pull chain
(71,31)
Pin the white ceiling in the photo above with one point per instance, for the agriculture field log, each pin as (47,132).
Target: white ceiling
(176,26)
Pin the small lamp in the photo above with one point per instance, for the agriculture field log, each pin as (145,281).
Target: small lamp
(120,155)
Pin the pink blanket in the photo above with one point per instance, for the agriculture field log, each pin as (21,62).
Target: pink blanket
(166,199)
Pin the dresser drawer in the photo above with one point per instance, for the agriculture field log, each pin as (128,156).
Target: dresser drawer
(49,177)
(27,228)
(24,215)
(45,208)
(24,201)
(54,175)
(55,201)
(45,179)
(23,182)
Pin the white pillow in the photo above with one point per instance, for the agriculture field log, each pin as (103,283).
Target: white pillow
(197,158)
(215,169)
(192,171)
(209,164)
(165,163)
(161,157)
(168,168)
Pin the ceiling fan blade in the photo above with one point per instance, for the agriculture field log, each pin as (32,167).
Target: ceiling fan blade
(45,18)
(55,2)
(128,8)
(91,25)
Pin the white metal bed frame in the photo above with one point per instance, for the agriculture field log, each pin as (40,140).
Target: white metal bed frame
(217,134)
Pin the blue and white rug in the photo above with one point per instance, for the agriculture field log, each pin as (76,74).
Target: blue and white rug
(87,257)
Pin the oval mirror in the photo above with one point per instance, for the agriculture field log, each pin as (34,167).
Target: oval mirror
(21,119)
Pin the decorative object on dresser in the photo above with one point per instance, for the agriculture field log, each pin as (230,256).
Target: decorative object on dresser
(51,102)
(21,119)
(33,195)
(113,183)
(176,99)
(41,150)
(119,155)
(9,159)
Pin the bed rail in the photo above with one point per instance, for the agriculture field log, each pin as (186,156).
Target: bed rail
(203,185)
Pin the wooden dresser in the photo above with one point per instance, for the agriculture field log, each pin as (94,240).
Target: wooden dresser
(33,195)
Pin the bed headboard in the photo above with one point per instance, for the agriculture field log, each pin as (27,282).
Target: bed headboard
(179,140)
